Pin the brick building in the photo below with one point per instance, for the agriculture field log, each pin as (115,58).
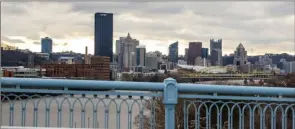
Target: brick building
(98,69)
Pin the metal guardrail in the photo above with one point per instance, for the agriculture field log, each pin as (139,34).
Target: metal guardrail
(145,105)
(14,127)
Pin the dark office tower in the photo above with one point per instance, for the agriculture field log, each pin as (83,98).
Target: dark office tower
(103,35)
(205,53)
(173,52)
(194,51)
(216,52)
(185,53)
(46,45)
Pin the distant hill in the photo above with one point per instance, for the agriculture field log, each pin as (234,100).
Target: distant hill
(19,57)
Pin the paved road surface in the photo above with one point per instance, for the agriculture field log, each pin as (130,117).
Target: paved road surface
(89,117)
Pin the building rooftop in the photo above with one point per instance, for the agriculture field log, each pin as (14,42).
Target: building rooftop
(128,36)
(40,53)
(211,69)
(240,46)
(140,46)
(102,13)
(12,67)
(65,58)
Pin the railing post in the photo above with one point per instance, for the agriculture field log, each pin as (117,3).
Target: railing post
(170,99)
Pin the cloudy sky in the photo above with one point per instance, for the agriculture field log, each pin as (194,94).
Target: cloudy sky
(260,26)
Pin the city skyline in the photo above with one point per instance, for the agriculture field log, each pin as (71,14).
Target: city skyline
(268,28)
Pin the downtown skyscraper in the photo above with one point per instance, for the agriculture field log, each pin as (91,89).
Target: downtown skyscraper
(216,52)
(103,35)
(194,51)
(240,57)
(140,55)
(126,51)
(46,45)
(173,52)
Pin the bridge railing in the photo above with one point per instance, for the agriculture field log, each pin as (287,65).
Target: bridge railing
(145,105)
(18,127)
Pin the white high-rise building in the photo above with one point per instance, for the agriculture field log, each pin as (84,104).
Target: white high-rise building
(151,61)
(289,67)
(126,50)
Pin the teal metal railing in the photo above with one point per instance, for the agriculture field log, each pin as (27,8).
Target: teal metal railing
(145,105)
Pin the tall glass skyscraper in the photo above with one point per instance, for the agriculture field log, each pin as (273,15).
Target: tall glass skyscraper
(173,52)
(103,35)
(46,45)
(140,55)
(205,53)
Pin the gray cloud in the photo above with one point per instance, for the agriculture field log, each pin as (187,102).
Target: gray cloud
(268,41)
(18,8)
(34,36)
(115,7)
(36,43)
(281,9)
(14,41)
(253,23)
